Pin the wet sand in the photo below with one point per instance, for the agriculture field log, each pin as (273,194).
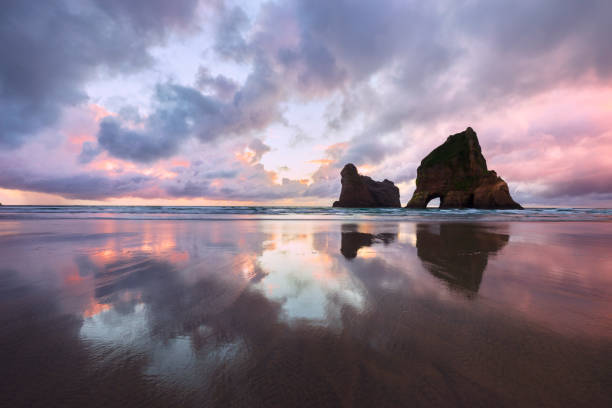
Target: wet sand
(305,313)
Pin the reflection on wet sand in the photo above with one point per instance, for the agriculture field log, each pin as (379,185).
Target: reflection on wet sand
(353,240)
(458,253)
(248,313)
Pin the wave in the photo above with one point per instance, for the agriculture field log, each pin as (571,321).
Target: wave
(264,212)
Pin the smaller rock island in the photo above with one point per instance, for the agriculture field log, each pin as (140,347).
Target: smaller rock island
(456,172)
(361,191)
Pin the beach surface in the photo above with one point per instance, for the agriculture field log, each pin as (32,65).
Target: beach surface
(306,307)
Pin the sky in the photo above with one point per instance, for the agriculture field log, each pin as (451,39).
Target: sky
(215,102)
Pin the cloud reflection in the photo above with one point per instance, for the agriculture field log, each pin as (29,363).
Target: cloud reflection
(310,284)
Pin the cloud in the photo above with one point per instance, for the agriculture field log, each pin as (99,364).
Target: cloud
(84,186)
(368,151)
(397,77)
(582,185)
(134,145)
(229,42)
(152,17)
(50,49)
(88,152)
(251,182)
(312,59)
(570,32)
(453,62)
(230,177)
(259,148)
(182,112)
(225,88)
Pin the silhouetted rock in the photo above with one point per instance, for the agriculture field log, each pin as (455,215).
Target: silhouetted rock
(457,173)
(458,253)
(361,191)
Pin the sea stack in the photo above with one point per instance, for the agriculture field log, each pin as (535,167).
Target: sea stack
(361,191)
(456,172)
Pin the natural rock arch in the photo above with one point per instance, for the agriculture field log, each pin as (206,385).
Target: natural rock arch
(456,171)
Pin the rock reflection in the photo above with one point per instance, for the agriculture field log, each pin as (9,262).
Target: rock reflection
(353,240)
(458,253)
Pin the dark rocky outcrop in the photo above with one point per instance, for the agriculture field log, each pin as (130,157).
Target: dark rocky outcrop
(457,173)
(361,191)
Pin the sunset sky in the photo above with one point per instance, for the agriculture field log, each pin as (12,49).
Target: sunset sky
(217,102)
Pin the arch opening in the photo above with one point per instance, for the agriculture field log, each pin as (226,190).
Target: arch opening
(434,202)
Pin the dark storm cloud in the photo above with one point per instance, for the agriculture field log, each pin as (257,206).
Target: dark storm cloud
(190,189)
(224,87)
(230,42)
(527,29)
(255,191)
(502,52)
(579,185)
(151,16)
(527,47)
(363,37)
(182,111)
(328,45)
(417,47)
(336,43)
(85,186)
(179,111)
(222,174)
(88,152)
(49,49)
(367,151)
(259,148)
(134,144)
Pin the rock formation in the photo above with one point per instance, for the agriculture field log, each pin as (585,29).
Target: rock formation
(457,173)
(361,191)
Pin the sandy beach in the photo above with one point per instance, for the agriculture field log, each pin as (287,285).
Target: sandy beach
(249,312)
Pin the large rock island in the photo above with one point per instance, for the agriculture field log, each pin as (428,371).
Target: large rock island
(361,191)
(456,172)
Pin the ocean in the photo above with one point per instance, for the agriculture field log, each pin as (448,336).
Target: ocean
(328,213)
